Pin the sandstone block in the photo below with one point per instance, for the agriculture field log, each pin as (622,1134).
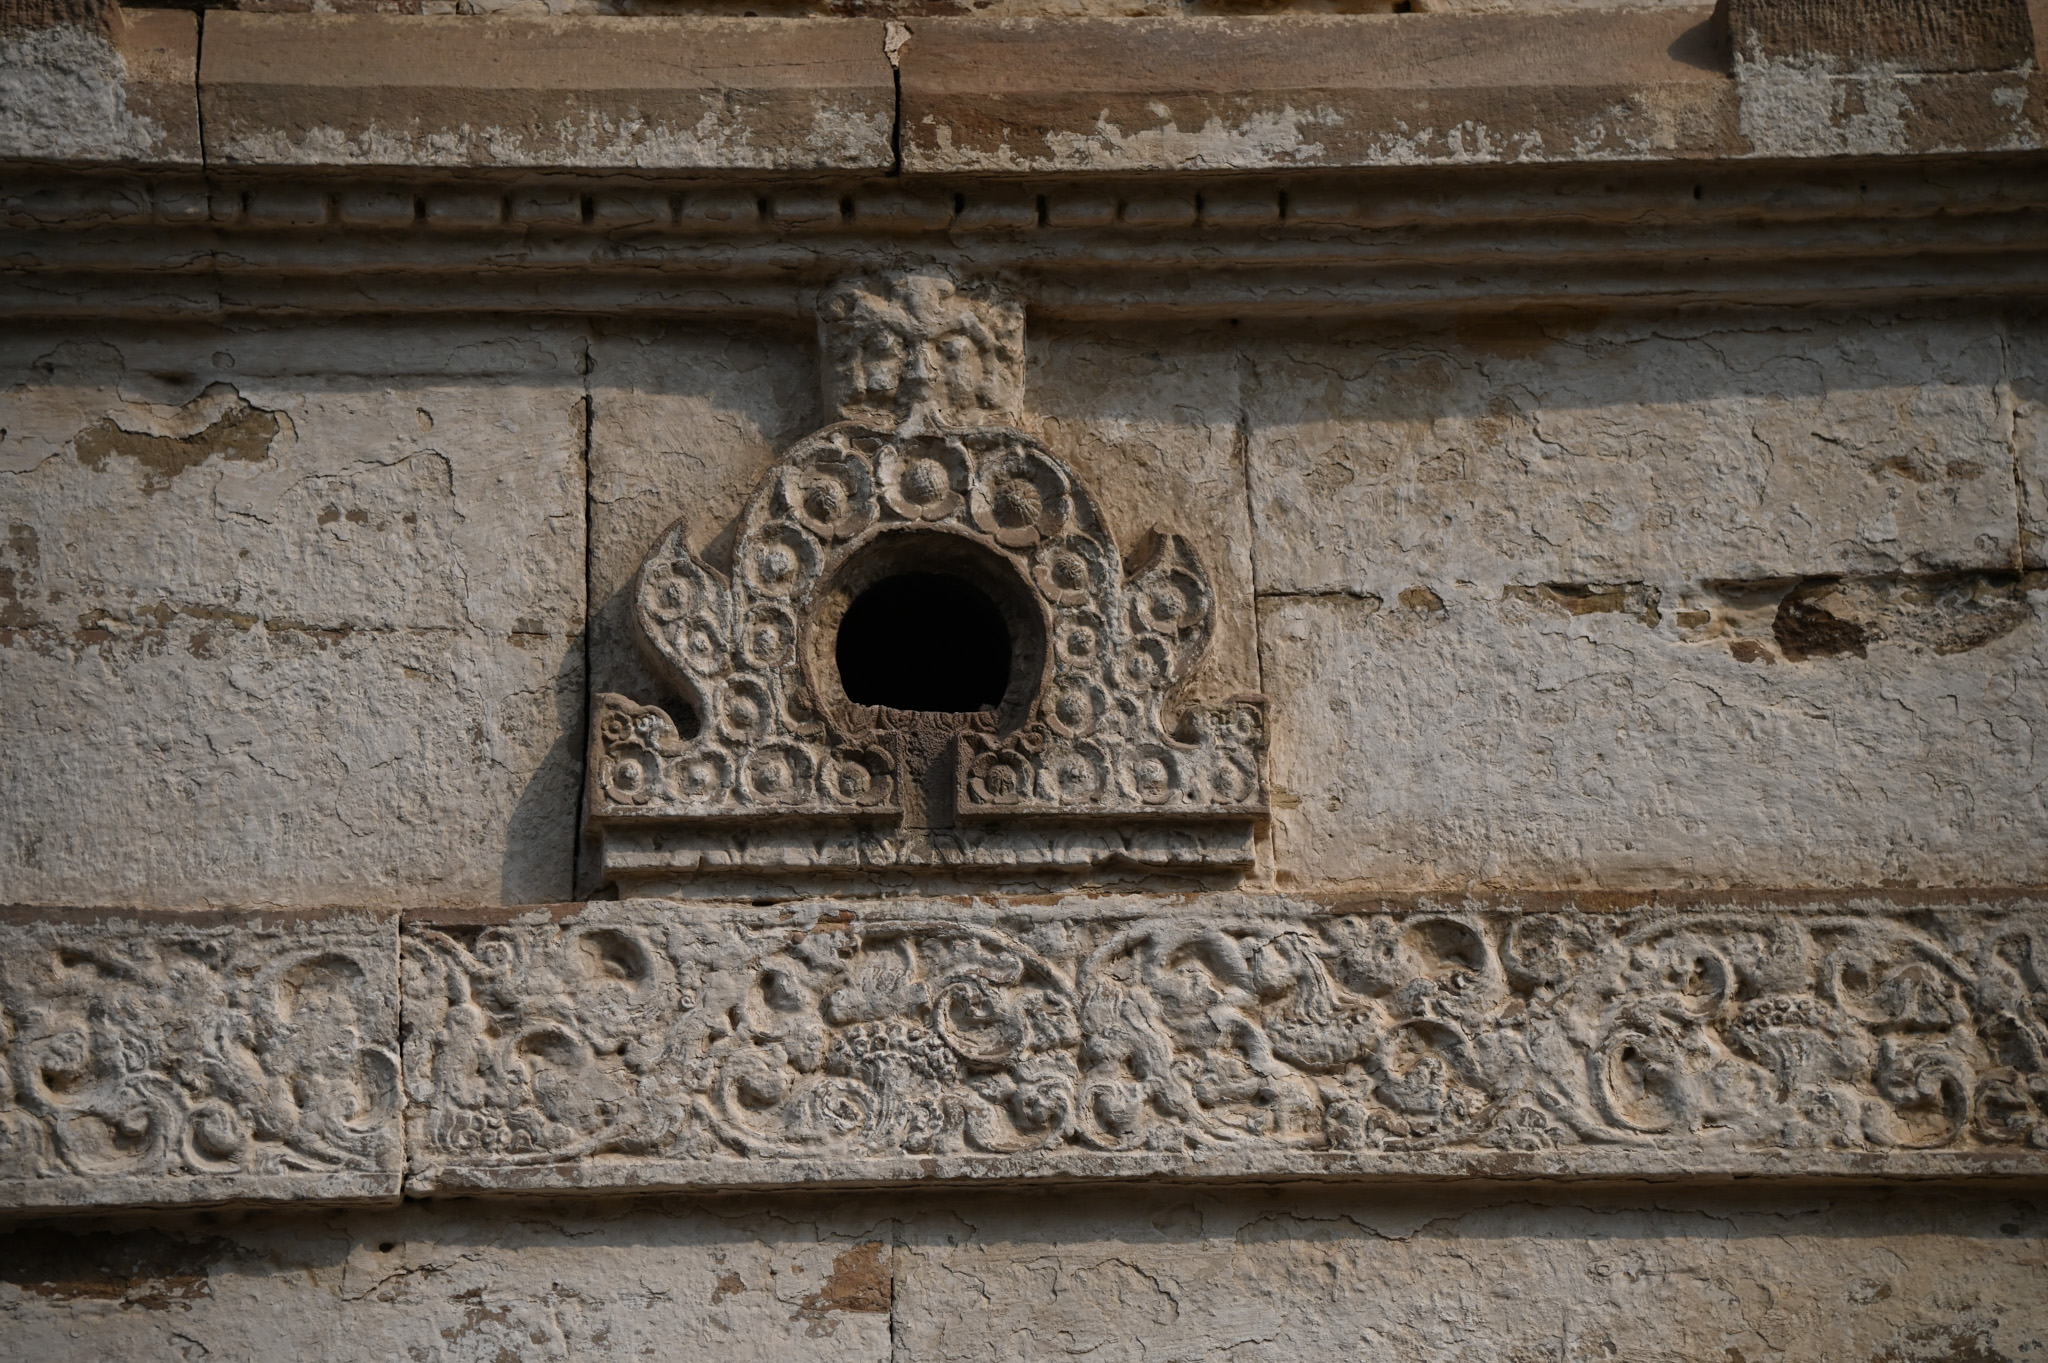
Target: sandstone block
(117,86)
(1454,1276)
(1504,453)
(560,93)
(648,1045)
(291,615)
(1267,1274)
(1673,735)
(1296,92)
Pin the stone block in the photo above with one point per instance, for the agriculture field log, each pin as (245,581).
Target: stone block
(286,206)
(1678,735)
(291,614)
(559,92)
(376,208)
(643,208)
(118,86)
(541,1283)
(548,208)
(1508,452)
(2027,344)
(1262,1275)
(1456,1276)
(169,1059)
(720,209)
(1920,36)
(643,1045)
(1012,95)
(463,210)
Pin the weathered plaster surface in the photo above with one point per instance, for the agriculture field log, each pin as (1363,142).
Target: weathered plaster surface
(1469,735)
(127,93)
(292,615)
(1738,446)
(1671,1275)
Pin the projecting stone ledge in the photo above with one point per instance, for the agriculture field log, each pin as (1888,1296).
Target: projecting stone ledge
(645,1045)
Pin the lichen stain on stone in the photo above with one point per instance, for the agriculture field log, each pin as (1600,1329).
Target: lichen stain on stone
(859,1281)
(242,433)
(146,1269)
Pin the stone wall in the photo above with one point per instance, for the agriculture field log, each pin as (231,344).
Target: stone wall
(1541,855)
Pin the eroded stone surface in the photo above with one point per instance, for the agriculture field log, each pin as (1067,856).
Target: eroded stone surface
(646,93)
(1751,448)
(1674,734)
(197,1058)
(1312,90)
(291,615)
(122,90)
(1778,1276)
(648,1045)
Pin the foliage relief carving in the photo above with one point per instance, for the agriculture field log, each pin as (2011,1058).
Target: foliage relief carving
(927,1034)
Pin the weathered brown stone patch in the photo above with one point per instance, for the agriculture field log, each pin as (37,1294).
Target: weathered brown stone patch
(147,1269)
(242,433)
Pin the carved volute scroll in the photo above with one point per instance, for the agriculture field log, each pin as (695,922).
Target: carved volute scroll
(1085,761)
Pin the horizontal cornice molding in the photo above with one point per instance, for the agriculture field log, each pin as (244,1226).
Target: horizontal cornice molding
(1362,242)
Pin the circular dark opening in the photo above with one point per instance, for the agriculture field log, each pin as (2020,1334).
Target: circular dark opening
(924,641)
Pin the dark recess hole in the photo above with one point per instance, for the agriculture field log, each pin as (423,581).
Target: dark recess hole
(924,641)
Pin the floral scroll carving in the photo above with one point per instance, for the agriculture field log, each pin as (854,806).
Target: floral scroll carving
(1087,761)
(1265,1038)
(180,1061)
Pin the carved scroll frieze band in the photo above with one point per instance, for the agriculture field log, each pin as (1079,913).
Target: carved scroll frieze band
(165,1059)
(641,1045)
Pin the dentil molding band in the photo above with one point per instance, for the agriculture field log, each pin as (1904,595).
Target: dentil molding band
(170,1058)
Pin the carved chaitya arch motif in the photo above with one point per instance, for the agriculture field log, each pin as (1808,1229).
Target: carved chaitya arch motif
(1086,763)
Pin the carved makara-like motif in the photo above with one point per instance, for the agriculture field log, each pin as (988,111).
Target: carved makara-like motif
(249,1055)
(1264,1033)
(1087,732)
